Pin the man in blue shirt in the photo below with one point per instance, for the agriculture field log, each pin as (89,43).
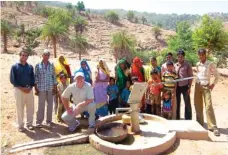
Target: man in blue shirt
(22,78)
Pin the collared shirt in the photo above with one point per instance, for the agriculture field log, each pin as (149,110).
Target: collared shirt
(155,89)
(79,94)
(22,75)
(204,71)
(183,71)
(45,77)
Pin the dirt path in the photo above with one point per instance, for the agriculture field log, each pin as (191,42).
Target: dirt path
(10,136)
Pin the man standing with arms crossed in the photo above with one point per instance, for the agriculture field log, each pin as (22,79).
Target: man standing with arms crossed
(22,78)
(203,90)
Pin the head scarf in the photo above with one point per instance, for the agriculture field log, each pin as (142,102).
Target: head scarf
(62,68)
(122,78)
(87,71)
(137,70)
(104,68)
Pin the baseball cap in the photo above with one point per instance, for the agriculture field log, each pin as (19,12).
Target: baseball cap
(78,74)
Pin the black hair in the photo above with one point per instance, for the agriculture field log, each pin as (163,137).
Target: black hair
(112,78)
(181,52)
(171,54)
(202,50)
(168,92)
(153,58)
(154,71)
(129,81)
(61,74)
(23,51)
(169,63)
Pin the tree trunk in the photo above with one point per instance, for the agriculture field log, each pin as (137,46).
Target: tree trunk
(54,46)
(80,54)
(5,42)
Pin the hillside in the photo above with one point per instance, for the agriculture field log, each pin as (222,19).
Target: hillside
(98,34)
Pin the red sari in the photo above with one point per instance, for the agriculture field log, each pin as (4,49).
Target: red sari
(138,71)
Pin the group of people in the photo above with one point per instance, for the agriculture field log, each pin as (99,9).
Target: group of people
(81,93)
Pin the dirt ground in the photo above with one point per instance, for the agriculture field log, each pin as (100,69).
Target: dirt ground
(10,136)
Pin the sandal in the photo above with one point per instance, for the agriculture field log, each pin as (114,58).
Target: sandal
(216,132)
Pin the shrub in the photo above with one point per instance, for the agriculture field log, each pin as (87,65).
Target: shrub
(112,16)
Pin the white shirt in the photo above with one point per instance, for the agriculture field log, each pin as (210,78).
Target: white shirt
(79,94)
(204,71)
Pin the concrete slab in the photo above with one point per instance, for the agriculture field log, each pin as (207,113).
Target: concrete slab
(188,129)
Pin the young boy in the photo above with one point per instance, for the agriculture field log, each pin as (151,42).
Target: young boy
(60,89)
(112,91)
(167,105)
(168,76)
(154,93)
(125,94)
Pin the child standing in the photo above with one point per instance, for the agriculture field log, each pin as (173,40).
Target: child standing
(154,94)
(112,91)
(168,76)
(60,89)
(125,94)
(167,105)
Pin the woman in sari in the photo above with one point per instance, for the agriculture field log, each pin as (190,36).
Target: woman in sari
(122,75)
(138,71)
(61,67)
(100,87)
(86,70)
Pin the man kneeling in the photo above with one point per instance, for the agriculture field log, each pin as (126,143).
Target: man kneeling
(83,97)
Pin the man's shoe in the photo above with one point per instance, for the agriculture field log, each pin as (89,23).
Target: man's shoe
(39,126)
(30,127)
(21,129)
(72,129)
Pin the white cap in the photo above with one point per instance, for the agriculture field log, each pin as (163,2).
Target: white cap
(79,74)
(46,51)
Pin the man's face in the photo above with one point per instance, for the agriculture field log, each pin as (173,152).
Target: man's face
(180,58)
(169,57)
(46,57)
(80,81)
(23,57)
(202,56)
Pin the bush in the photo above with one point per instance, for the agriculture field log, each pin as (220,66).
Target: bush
(130,16)
(156,31)
(112,16)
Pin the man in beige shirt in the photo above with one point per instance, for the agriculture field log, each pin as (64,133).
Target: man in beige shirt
(203,90)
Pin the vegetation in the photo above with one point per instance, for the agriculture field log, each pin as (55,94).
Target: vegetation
(136,20)
(81,42)
(143,19)
(130,16)
(80,6)
(112,16)
(53,30)
(156,31)
(183,39)
(123,45)
(210,35)
(79,24)
(5,32)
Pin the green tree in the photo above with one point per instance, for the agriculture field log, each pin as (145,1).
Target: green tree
(210,35)
(60,15)
(80,6)
(182,39)
(156,31)
(5,32)
(123,45)
(143,19)
(81,42)
(130,15)
(79,24)
(112,16)
(53,30)
(70,9)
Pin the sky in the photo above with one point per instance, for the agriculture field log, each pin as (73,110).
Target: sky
(159,6)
